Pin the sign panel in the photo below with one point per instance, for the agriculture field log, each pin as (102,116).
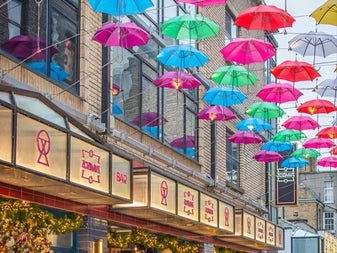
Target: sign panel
(270,236)
(286,186)
(188,202)
(208,210)
(260,229)
(226,217)
(121,177)
(6,134)
(248,225)
(279,240)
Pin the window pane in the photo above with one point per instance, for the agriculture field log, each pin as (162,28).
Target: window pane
(232,160)
(329,221)
(328,192)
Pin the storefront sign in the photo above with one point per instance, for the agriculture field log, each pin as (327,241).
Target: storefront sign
(121,177)
(248,225)
(286,186)
(226,217)
(270,234)
(6,134)
(208,210)
(260,230)
(188,202)
(279,240)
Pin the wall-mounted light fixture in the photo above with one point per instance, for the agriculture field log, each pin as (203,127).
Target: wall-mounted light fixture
(99,246)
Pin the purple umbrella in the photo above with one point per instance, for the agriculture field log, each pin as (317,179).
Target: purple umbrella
(187,141)
(216,112)
(329,161)
(177,80)
(279,93)
(245,137)
(267,156)
(148,119)
(300,123)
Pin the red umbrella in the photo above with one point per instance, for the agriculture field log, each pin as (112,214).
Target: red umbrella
(203,3)
(267,156)
(300,123)
(328,132)
(333,151)
(295,71)
(187,141)
(319,143)
(245,137)
(279,93)
(177,80)
(264,17)
(329,161)
(317,106)
(149,119)
(216,112)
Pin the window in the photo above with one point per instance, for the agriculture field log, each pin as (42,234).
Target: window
(14,18)
(329,221)
(232,160)
(328,192)
(231,29)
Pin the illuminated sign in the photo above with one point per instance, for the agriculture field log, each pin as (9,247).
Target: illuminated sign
(208,210)
(248,225)
(279,241)
(6,134)
(188,202)
(270,228)
(260,230)
(226,217)
(121,177)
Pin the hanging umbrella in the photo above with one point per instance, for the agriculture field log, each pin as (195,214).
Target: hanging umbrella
(224,96)
(203,3)
(116,110)
(120,7)
(115,89)
(305,153)
(267,156)
(247,50)
(149,119)
(188,151)
(245,137)
(317,106)
(288,135)
(326,13)
(187,141)
(328,132)
(120,34)
(28,46)
(319,143)
(234,75)
(177,80)
(300,123)
(327,88)
(278,146)
(264,110)
(333,151)
(264,17)
(154,131)
(182,56)
(216,112)
(56,72)
(295,71)
(253,124)
(195,27)
(294,162)
(329,161)
(279,93)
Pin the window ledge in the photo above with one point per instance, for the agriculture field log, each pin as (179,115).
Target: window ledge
(235,187)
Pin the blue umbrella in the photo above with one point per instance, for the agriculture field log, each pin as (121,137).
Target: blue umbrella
(277,146)
(253,124)
(189,151)
(116,109)
(182,56)
(56,72)
(153,130)
(224,96)
(120,7)
(294,163)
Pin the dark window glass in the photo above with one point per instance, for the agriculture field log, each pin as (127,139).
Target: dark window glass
(232,160)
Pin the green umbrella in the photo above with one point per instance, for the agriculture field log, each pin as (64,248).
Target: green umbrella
(305,153)
(235,75)
(264,110)
(190,27)
(287,135)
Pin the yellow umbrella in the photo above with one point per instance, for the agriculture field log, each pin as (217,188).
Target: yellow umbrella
(326,13)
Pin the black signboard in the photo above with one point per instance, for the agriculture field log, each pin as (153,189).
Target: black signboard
(286,186)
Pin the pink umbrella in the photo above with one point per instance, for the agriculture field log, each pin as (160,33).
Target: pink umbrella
(203,3)
(301,123)
(279,93)
(319,143)
(329,161)
(177,80)
(248,50)
(245,137)
(187,141)
(149,119)
(328,132)
(267,156)
(216,112)
(120,34)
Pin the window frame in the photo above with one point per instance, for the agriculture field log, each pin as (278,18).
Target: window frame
(331,226)
(328,192)
(232,159)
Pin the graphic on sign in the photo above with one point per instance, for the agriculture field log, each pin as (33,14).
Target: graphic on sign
(91,168)
(189,203)
(209,210)
(286,186)
(260,229)
(43,145)
(164,192)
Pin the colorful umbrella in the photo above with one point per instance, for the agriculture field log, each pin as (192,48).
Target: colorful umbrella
(317,106)
(187,141)
(247,50)
(294,162)
(28,46)
(279,93)
(115,89)
(224,96)
(333,151)
(278,146)
(300,123)
(267,156)
(326,13)
(288,135)
(245,137)
(195,27)
(329,161)
(56,72)
(216,112)
(177,80)
(120,7)
(120,34)
(295,71)
(182,56)
(203,3)
(149,119)
(264,110)
(264,17)
(188,151)
(327,88)
(116,110)
(253,124)
(234,75)
(154,131)
(319,143)
(328,132)
(305,153)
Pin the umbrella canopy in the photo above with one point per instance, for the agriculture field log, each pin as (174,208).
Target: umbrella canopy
(149,119)
(279,93)
(234,75)
(305,153)
(253,124)
(203,3)
(317,106)
(264,110)
(326,13)
(328,132)
(327,88)
(116,110)
(187,151)
(247,50)
(267,156)
(245,137)
(288,135)
(295,71)
(333,151)
(177,80)
(300,123)
(278,146)
(182,56)
(294,162)
(264,17)
(120,7)
(121,34)
(187,141)
(28,46)
(188,26)
(115,89)
(56,72)
(224,96)
(319,143)
(216,112)
(154,131)
(329,161)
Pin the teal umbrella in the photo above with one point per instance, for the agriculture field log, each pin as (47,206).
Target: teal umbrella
(305,153)
(288,135)
(253,124)
(293,162)
(234,75)
(277,146)
(265,110)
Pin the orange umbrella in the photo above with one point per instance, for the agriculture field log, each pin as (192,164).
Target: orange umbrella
(317,106)
(333,151)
